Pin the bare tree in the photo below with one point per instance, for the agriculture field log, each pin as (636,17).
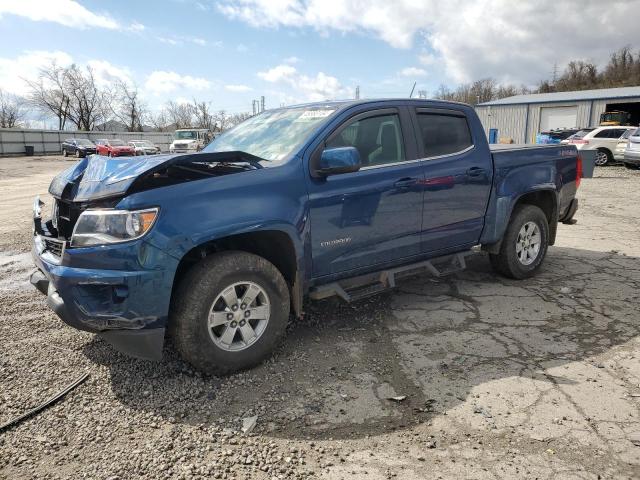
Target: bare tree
(623,69)
(236,118)
(159,120)
(49,95)
(89,105)
(127,107)
(579,75)
(11,110)
(203,116)
(180,114)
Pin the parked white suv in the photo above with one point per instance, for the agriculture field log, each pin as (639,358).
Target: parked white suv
(632,152)
(602,139)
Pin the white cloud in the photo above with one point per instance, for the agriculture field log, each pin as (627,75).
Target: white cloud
(238,88)
(511,41)
(242,48)
(161,81)
(180,40)
(279,73)
(106,73)
(413,72)
(137,27)
(14,71)
(65,12)
(312,88)
(291,60)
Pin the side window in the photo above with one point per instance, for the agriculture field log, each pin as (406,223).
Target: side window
(618,132)
(377,139)
(443,134)
(606,133)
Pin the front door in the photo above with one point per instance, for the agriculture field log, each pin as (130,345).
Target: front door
(457,180)
(372,216)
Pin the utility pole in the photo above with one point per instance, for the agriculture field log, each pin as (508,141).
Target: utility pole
(358,92)
(262,103)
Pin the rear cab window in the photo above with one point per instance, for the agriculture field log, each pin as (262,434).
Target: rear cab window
(443,132)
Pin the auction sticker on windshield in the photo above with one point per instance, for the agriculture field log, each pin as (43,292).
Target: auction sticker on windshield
(313,114)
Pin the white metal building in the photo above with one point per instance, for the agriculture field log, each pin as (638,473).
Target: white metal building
(522,117)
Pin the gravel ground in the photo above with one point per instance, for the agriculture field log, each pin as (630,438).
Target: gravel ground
(502,379)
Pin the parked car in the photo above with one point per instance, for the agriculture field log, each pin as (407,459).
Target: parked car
(114,147)
(554,136)
(144,147)
(631,157)
(331,198)
(621,146)
(603,140)
(80,147)
(190,140)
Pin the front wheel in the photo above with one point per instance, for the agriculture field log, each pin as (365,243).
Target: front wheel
(78,154)
(524,244)
(229,312)
(64,152)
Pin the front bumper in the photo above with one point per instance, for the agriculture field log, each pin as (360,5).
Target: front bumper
(120,292)
(632,157)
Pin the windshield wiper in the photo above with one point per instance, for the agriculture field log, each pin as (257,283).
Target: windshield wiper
(235,156)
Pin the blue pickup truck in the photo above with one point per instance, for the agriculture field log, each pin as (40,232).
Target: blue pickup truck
(218,248)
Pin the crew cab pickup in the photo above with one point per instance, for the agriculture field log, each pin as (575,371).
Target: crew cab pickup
(216,248)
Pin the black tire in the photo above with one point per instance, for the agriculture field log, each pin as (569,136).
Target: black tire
(506,261)
(64,152)
(631,166)
(195,296)
(78,154)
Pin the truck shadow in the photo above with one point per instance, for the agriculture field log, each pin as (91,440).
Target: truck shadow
(404,357)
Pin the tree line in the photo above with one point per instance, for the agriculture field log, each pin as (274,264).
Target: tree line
(622,70)
(73,97)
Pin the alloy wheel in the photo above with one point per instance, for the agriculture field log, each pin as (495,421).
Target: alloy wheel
(528,243)
(239,316)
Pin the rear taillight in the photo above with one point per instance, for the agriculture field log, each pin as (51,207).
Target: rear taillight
(579,142)
(578,170)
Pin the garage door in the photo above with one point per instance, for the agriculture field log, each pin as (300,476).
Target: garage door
(552,118)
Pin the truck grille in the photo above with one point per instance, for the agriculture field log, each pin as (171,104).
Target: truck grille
(54,246)
(67,216)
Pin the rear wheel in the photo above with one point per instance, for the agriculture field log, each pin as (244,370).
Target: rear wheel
(64,152)
(603,157)
(229,312)
(631,166)
(524,244)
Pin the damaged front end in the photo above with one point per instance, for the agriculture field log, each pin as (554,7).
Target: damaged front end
(97,263)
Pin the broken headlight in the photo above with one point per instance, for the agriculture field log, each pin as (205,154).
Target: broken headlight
(100,227)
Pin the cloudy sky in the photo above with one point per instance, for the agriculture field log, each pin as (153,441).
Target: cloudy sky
(232,51)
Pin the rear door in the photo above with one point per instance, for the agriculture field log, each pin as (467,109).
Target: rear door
(457,179)
(374,215)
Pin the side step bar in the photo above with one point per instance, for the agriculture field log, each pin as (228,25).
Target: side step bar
(363,286)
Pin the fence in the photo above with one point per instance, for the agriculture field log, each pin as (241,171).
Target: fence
(47,142)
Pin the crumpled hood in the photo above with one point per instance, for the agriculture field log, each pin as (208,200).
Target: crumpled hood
(98,177)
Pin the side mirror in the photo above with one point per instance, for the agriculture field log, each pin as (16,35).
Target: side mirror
(338,160)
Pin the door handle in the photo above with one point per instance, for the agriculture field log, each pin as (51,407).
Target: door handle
(405,182)
(476,172)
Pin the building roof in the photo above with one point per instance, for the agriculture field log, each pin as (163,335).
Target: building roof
(579,95)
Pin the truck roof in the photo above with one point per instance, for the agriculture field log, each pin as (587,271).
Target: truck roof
(349,103)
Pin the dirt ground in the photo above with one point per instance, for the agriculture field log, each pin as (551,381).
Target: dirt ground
(502,379)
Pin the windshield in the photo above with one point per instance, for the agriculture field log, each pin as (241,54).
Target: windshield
(189,135)
(116,143)
(582,133)
(272,135)
(626,134)
(84,141)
